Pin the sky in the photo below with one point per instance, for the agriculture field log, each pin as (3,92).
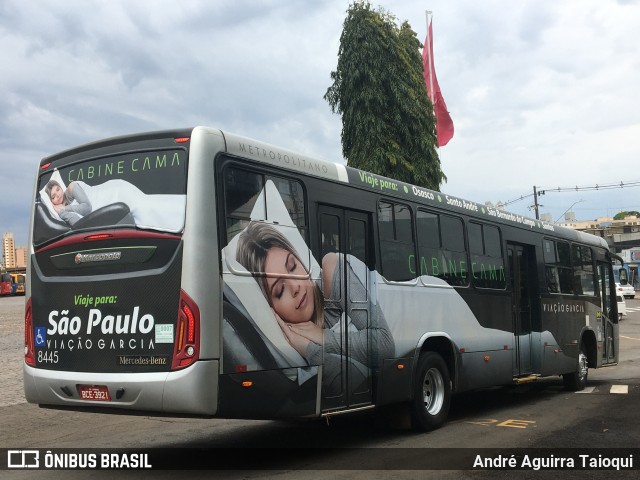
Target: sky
(541,93)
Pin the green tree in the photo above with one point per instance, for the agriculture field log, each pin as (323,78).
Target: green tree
(388,124)
(621,215)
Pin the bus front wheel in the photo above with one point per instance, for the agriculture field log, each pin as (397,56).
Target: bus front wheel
(576,381)
(432,393)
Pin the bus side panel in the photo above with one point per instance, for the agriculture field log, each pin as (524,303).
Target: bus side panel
(431,305)
(394,382)
(484,369)
(287,393)
(201,278)
(564,319)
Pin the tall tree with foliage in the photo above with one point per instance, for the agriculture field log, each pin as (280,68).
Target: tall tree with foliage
(388,124)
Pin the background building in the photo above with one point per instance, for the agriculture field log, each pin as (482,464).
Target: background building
(13,258)
(21,257)
(8,251)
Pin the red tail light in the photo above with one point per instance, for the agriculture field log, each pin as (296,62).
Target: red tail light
(99,236)
(29,343)
(187,341)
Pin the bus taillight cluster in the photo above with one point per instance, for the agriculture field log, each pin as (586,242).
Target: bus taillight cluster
(29,342)
(187,342)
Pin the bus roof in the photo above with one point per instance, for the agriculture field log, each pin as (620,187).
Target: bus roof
(280,157)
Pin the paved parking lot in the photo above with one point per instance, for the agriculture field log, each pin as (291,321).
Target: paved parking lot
(11,350)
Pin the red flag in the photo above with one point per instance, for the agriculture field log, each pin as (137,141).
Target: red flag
(444,124)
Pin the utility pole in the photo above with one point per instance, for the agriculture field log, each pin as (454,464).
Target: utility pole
(535,202)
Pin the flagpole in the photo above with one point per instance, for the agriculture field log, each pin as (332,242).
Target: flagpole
(432,97)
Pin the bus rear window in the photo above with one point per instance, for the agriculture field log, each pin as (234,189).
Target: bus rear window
(144,189)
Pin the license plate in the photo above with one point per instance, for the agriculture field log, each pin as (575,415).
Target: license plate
(94,392)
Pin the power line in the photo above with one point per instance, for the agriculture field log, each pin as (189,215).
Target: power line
(521,197)
(606,186)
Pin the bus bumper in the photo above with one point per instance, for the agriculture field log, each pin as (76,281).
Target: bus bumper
(193,390)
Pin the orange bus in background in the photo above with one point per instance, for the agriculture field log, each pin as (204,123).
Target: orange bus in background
(19,280)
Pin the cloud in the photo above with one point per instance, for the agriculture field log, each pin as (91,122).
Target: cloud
(540,93)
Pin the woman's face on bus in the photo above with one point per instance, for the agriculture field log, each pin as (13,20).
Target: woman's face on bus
(56,195)
(292,298)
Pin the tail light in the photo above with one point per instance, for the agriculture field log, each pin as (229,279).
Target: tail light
(29,342)
(187,341)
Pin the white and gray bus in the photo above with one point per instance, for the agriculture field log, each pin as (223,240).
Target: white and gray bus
(198,272)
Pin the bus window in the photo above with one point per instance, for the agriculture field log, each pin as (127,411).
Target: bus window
(441,248)
(396,241)
(487,264)
(559,272)
(243,201)
(135,189)
(584,274)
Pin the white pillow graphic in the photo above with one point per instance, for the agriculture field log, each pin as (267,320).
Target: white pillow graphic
(44,197)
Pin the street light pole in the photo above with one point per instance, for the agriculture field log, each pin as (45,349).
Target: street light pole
(574,203)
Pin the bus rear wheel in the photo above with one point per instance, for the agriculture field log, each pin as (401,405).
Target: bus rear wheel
(576,381)
(432,393)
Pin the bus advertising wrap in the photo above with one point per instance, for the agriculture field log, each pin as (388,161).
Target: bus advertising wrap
(99,326)
(270,258)
(141,189)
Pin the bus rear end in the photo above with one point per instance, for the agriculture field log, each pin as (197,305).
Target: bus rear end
(19,281)
(107,319)
(6,284)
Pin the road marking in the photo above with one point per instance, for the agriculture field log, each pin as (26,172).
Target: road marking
(629,338)
(485,422)
(619,389)
(613,389)
(513,423)
(587,390)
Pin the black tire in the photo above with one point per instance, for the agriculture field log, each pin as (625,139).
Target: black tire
(431,393)
(577,380)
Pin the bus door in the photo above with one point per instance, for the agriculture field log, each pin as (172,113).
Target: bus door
(346,378)
(523,287)
(607,308)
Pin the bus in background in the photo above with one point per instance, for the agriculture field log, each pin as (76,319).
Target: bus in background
(623,286)
(18,282)
(6,284)
(620,273)
(199,272)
